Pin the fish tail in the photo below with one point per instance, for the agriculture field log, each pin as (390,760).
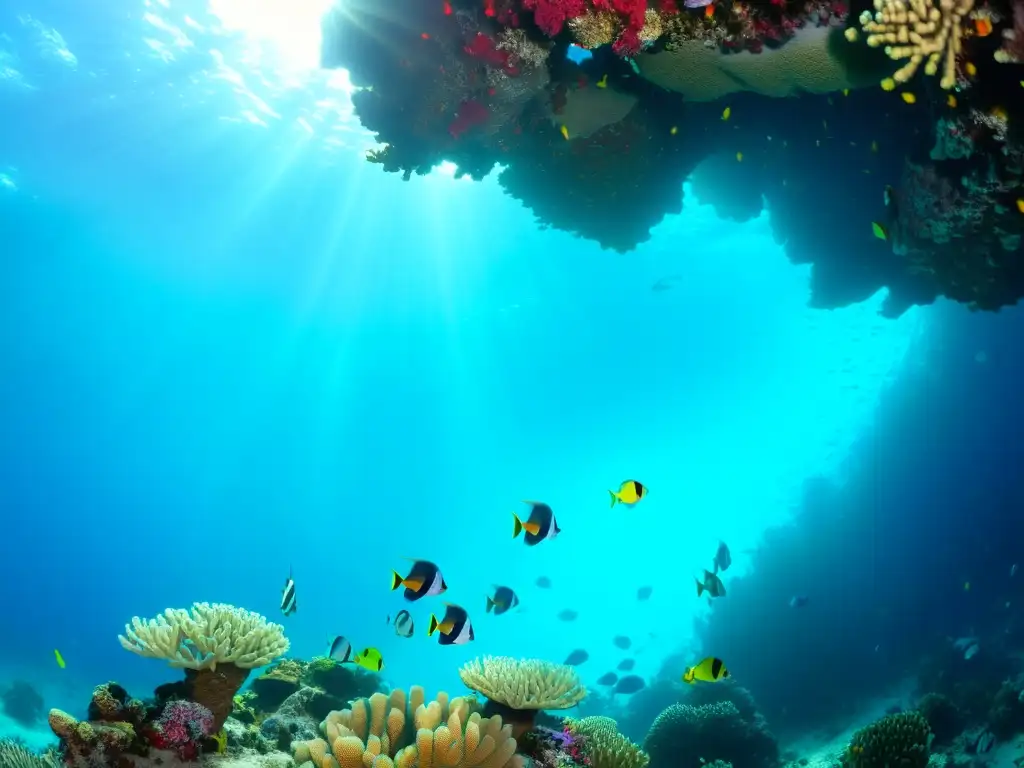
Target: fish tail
(490,604)
(517,525)
(700,587)
(432,628)
(615,499)
(396,580)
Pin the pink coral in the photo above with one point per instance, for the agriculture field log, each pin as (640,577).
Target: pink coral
(551,15)
(182,727)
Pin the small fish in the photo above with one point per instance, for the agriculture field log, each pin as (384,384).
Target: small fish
(603,82)
(846,91)
(908,97)
(879,231)
(673,130)
(726,113)
(710,670)
(1013,570)
(503,600)
(799,601)
(712,585)
(982,26)
(970,69)
(971,652)
(369,658)
(424,579)
(59,658)
(723,557)
(629,684)
(824,124)
(446,8)
(709,11)
(340,650)
(288,604)
(874,146)
(404,624)
(663,284)
(576,657)
(568,615)
(608,678)
(621,641)
(629,493)
(455,627)
(543,582)
(565,132)
(644,593)
(739,155)
(967,586)
(539,525)
(625,665)
(951,101)
(1020,204)
(888,195)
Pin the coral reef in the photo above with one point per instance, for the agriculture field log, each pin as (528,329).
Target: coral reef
(517,688)
(22,703)
(604,746)
(217,645)
(899,739)
(944,718)
(685,736)
(112,732)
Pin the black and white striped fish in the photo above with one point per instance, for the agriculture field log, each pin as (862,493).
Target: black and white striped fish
(288,604)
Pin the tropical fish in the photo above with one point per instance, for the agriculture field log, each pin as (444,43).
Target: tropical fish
(621,641)
(603,82)
(710,670)
(288,604)
(970,69)
(874,146)
(565,132)
(908,97)
(726,113)
(673,130)
(799,601)
(723,557)
(846,91)
(643,593)
(629,684)
(971,652)
(60,659)
(568,615)
(709,11)
(1020,204)
(340,650)
(608,678)
(739,155)
(539,525)
(951,101)
(543,582)
(454,628)
(369,658)
(629,493)
(712,585)
(404,624)
(1013,570)
(626,665)
(982,25)
(503,600)
(576,657)
(879,231)
(424,579)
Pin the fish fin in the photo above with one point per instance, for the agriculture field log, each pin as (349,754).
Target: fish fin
(396,580)
(700,587)
(532,528)
(432,628)
(517,525)
(490,604)
(615,499)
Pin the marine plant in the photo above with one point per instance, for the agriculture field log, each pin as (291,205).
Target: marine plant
(403,730)
(901,739)
(604,746)
(517,689)
(16,755)
(216,644)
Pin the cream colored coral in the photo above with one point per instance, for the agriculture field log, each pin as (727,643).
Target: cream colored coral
(919,31)
(594,29)
(605,746)
(205,636)
(524,683)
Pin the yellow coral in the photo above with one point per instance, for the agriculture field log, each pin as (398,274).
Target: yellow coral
(524,683)
(605,746)
(592,30)
(919,31)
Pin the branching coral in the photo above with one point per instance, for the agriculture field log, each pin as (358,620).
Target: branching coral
(604,746)
(216,644)
(14,755)
(396,730)
(918,31)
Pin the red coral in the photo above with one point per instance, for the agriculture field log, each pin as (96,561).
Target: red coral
(471,113)
(484,48)
(551,15)
(182,727)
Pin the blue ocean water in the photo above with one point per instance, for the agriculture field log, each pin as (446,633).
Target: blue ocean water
(232,349)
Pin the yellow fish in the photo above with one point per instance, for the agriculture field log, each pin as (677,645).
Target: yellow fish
(565,132)
(908,97)
(673,130)
(1020,204)
(603,82)
(60,659)
(846,91)
(711,670)
(879,231)
(629,493)
(739,157)
(726,113)
(970,69)
(369,658)
(874,146)
(951,101)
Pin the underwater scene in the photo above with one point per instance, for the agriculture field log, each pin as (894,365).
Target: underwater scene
(511,383)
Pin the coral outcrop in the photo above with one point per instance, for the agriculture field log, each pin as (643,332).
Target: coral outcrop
(687,736)
(604,746)
(902,739)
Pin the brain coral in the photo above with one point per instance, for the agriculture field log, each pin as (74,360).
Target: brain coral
(685,736)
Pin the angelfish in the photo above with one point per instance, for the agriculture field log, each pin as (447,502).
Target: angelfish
(454,628)
(540,524)
(424,579)
(712,585)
